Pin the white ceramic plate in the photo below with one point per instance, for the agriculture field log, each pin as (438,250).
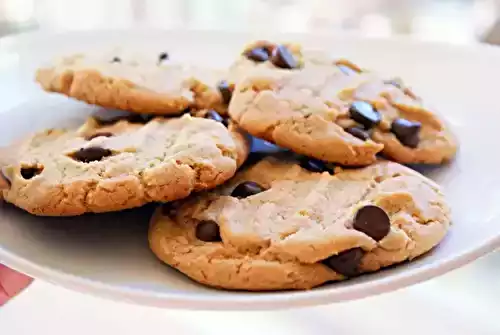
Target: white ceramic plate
(107,255)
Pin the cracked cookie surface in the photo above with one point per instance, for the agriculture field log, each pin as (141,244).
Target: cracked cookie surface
(136,86)
(340,116)
(278,226)
(110,166)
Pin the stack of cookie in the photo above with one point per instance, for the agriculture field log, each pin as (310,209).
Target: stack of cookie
(322,206)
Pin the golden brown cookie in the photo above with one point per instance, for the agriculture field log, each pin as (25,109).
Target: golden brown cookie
(278,226)
(239,135)
(267,55)
(340,116)
(160,88)
(110,165)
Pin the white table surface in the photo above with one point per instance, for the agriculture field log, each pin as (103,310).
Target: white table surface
(466,301)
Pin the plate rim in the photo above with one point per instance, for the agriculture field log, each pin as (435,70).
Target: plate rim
(259,300)
(250,301)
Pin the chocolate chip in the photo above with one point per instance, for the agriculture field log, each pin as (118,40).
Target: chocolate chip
(109,117)
(208,231)
(313,165)
(283,58)
(373,221)
(90,154)
(162,57)
(225,91)
(258,54)
(116,60)
(264,147)
(358,132)
(140,118)
(246,189)
(28,172)
(103,134)
(364,113)
(407,132)
(346,263)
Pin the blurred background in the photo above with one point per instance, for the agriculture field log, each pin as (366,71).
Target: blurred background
(456,21)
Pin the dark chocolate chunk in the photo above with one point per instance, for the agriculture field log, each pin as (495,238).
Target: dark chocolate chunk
(358,132)
(225,91)
(373,221)
(283,58)
(346,263)
(246,189)
(264,147)
(364,113)
(313,165)
(90,154)
(116,60)
(162,57)
(140,118)
(104,134)
(407,132)
(208,231)
(258,54)
(109,117)
(28,172)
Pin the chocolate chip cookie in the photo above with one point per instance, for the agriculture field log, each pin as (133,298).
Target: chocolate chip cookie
(279,226)
(159,87)
(118,163)
(267,55)
(239,135)
(341,116)
(261,57)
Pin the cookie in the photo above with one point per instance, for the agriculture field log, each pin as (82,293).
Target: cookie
(239,135)
(110,165)
(277,225)
(342,117)
(265,55)
(159,87)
